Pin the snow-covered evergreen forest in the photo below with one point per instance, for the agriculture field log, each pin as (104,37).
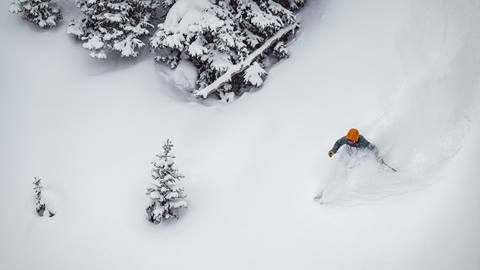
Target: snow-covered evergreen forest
(187,134)
(225,46)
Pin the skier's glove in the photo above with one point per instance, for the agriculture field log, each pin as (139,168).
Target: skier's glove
(331,153)
(380,160)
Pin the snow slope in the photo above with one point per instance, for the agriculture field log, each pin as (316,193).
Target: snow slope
(404,72)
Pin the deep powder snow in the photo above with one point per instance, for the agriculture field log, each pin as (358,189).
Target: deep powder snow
(404,72)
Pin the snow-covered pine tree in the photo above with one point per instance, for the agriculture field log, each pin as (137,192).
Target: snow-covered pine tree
(43,13)
(168,3)
(40,206)
(114,25)
(166,195)
(229,43)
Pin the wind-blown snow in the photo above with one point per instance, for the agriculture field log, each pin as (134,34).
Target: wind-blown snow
(404,72)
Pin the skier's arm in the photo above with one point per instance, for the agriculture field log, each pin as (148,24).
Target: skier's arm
(339,143)
(372,147)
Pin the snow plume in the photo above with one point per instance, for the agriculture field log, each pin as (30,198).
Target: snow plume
(113,25)
(428,115)
(43,13)
(226,41)
(417,136)
(444,88)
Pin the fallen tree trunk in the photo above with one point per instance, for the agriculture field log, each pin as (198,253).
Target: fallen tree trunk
(240,67)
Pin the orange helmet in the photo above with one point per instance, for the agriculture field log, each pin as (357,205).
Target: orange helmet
(353,135)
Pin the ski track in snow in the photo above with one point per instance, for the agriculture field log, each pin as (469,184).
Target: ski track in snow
(404,72)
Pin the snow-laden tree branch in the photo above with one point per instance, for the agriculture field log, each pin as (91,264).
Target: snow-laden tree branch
(113,26)
(43,13)
(240,67)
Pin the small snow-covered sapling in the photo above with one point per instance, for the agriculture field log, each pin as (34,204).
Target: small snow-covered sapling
(40,206)
(165,193)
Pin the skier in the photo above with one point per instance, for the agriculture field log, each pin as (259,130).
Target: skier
(354,140)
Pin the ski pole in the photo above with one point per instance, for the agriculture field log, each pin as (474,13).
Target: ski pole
(393,169)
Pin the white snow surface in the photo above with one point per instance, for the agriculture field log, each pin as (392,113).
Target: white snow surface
(184,13)
(406,73)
